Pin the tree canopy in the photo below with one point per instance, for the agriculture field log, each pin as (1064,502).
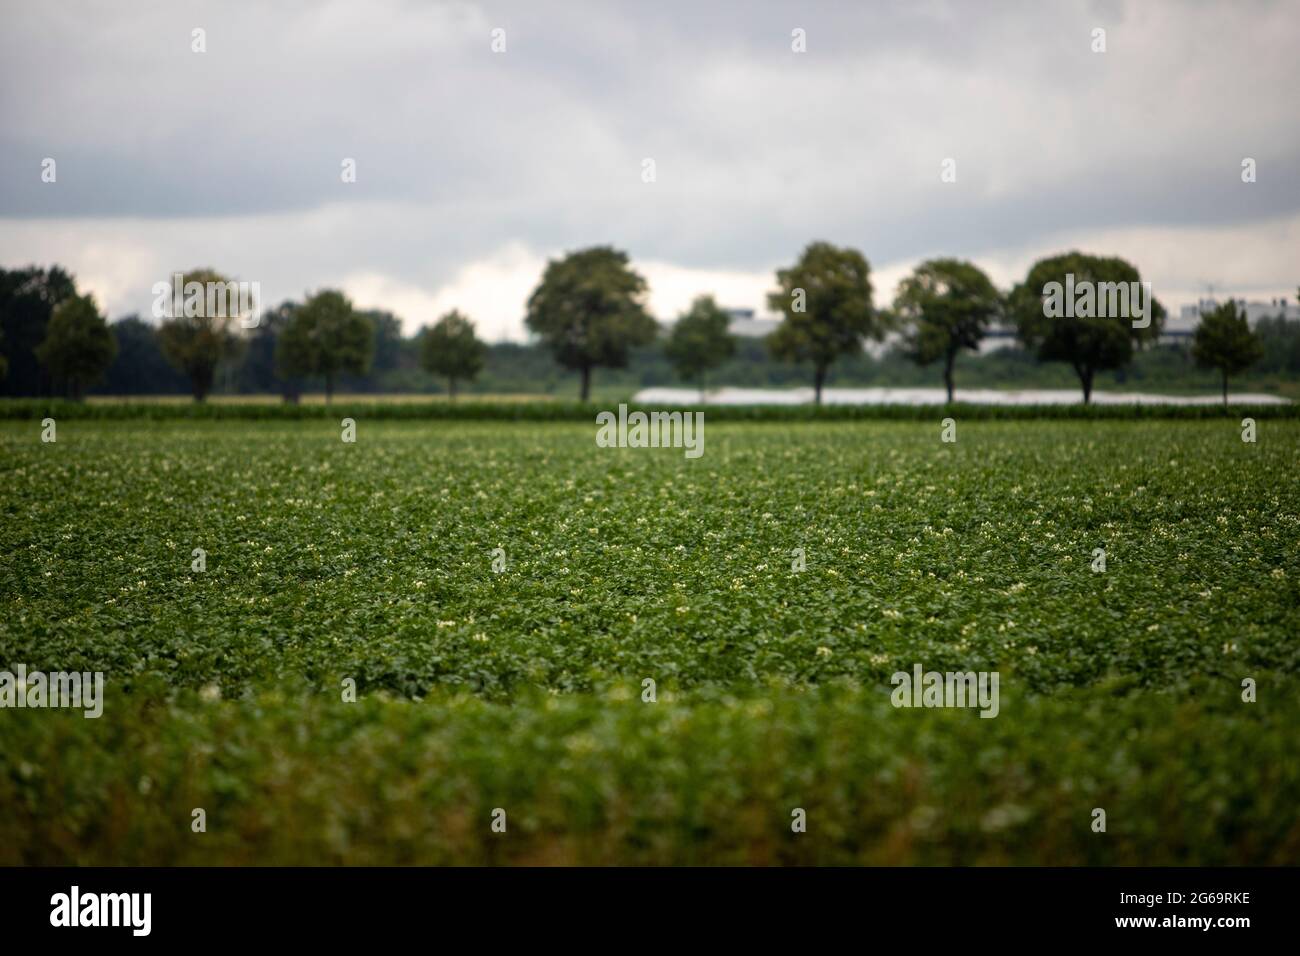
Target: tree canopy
(1223,340)
(946,305)
(589,310)
(1091,342)
(700,340)
(826,300)
(452,350)
(27,299)
(78,346)
(200,338)
(324,337)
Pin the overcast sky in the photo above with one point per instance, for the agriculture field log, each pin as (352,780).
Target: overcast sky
(473,167)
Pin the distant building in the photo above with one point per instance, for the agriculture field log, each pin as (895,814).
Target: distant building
(744,322)
(1179,328)
(1254,310)
(998,337)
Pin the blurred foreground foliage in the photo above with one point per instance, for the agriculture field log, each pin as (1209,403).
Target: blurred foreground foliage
(704,777)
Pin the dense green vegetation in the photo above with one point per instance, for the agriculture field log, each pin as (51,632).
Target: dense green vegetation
(522,369)
(524,409)
(372,561)
(617,362)
(706,778)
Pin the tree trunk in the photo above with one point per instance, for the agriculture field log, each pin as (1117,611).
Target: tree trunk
(201,383)
(329,387)
(819,379)
(451,389)
(947,375)
(586,382)
(1085,378)
(1225,388)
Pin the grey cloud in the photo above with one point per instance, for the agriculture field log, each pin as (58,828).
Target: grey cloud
(758,149)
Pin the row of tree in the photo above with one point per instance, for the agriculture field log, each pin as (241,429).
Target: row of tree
(323,337)
(589,311)
(946,306)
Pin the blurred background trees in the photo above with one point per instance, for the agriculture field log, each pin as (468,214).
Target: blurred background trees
(27,299)
(826,300)
(140,367)
(450,349)
(945,306)
(1223,341)
(589,311)
(700,341)
(1088,344)
(198,340)
(78,346)
(325,337)
(940,315)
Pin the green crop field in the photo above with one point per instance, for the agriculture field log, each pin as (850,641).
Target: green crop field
(500,594)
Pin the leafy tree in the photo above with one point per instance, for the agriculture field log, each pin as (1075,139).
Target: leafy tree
(325,337)
(4,362)
(1279,338)
(589,311)
(385,358)
(203,336)
(27,298)
(826,299)
(946,305)
(78,346)
(452,350)
(259,372)
(1089,345)
(140,367)
(388,339)
(1223,340)
(700,341)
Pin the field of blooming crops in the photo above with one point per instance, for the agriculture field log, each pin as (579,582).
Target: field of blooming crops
(498,642)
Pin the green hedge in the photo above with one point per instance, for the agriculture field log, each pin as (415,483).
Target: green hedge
(543,411)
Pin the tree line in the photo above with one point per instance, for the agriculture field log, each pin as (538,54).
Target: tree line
(589,312)
(60,342)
